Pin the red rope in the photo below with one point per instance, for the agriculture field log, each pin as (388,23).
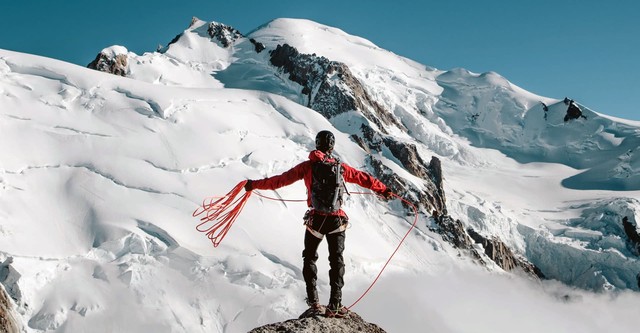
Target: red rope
(277,199)
(227,208)
(415,220)
(225,211)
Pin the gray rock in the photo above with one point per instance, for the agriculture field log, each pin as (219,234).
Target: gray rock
(114,64)
(9,279)
(7,320)
(223,33)
(310,323)
(330,86)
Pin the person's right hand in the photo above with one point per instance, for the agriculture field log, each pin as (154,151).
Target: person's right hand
(387,194)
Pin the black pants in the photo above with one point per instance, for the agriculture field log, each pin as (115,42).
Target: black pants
(324,224)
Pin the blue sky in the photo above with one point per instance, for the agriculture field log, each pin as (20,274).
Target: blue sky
(588,50)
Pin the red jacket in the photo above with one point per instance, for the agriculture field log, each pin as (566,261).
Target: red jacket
(303,171)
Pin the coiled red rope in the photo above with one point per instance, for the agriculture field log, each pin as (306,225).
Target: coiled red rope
(225,210)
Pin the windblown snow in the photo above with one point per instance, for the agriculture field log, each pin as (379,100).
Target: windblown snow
(99,175)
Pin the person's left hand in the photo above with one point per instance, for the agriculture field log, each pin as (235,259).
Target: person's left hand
(248,186)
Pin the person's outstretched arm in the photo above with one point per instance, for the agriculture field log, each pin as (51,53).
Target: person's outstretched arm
(286,178)
(352,175)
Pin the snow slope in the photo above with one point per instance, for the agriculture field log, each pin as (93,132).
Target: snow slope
(99,175)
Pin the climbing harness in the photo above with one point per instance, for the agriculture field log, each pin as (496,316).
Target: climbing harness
(308,223)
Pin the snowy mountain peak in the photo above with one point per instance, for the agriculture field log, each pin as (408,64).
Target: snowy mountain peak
(196,23)
(487,79)
(300,32)
(99,176)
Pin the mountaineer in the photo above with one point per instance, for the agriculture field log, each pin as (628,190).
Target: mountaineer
(324,176)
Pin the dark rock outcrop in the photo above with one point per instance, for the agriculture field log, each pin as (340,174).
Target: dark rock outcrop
(632,234)
(7,320)
(223,33)
(307,323)
(453,231)
(116,64)
(259,47)
(9,279)
(330,86)
(430,199)
(400,186)
(573,110)
(173,41)
(502,255)
(408,155)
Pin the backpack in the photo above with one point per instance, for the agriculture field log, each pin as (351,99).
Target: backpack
(327,186)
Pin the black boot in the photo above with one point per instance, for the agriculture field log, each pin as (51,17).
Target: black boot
(312,296)
(315,308)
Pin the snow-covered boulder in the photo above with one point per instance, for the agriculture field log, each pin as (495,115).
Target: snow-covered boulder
(112,60)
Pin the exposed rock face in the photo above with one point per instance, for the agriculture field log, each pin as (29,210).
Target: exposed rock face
(399,185)
(502,255)
(408,155)
(317,324)
(9,279)
(433,198)
(573,111)
(173,41)
(330,86)
(632,234)
(259,47)
(112,62)
(223,33)
(7,320)
(453,232)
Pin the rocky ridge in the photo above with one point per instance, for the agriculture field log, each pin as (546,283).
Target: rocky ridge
(224,34)
(330,86)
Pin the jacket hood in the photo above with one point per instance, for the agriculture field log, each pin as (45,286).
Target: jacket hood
(317,156)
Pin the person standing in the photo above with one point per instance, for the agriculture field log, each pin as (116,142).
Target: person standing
(324,177)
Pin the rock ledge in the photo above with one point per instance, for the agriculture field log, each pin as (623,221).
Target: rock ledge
(310,323)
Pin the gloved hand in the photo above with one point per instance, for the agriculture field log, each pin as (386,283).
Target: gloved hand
(387,194)
(249,185)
